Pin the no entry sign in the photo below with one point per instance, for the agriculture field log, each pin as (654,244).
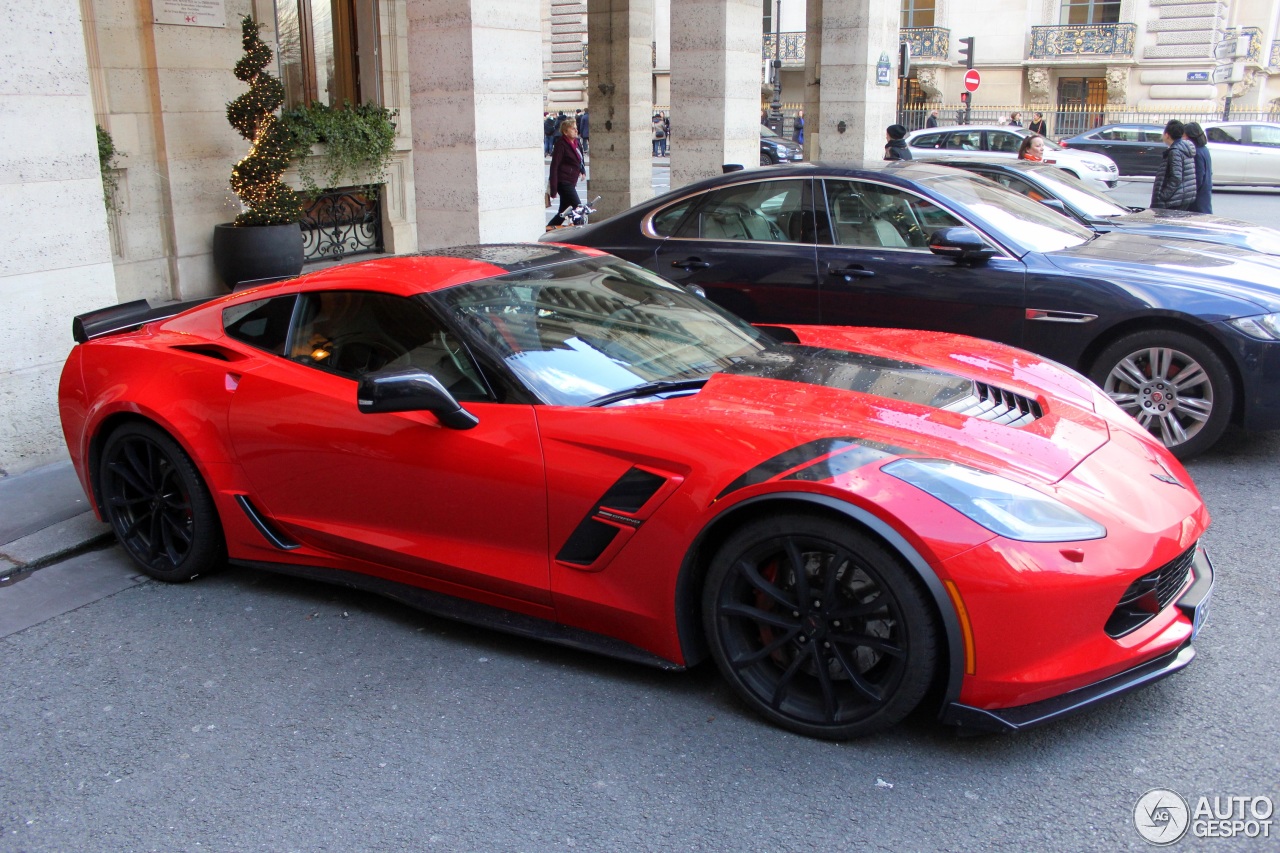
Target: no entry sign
(971,79)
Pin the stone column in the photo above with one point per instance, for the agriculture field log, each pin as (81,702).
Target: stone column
(620,89)
(853,36)
(57,259)
(475,90)
(715,87)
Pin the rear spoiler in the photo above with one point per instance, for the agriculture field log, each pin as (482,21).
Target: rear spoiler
(128,315)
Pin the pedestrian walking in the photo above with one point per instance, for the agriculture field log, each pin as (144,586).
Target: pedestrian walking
(1038,125)
(1015,120)
(567,166)
(895,147)
(548,133)
(932,120)
(798,127)
(666,127)
(1204,168)
(1174,187)
(659,135)
(584,131)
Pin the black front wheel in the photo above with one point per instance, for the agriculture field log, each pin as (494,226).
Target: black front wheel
(1175,385)
(818,627)
(158,505)
(766,159)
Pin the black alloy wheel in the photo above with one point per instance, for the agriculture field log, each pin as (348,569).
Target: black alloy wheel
(767,159)
(1175,385)
(818,627)
(158,505)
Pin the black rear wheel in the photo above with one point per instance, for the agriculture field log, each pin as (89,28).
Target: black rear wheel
(158,505)
(818,627)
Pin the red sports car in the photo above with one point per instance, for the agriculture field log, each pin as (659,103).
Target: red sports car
(559,444)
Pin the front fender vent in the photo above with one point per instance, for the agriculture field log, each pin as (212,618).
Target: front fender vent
(995,404)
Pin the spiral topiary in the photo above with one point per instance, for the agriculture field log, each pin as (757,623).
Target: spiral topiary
(256,178)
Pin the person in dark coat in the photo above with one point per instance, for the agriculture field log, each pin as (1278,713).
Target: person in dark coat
(567,165)
(1038,125)
(798,127)
(932,120)
(1015,120)
(1204,168)
(895,147)
(584,131)
(548,133)
(1174,187)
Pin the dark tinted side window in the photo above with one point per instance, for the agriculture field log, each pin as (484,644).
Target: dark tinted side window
(1231,134)
(927,140)
(263,324)
(667,220)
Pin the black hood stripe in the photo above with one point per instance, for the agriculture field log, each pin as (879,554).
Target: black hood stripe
(816,460)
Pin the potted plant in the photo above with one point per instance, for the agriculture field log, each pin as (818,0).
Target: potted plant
(264,241)
(350,145)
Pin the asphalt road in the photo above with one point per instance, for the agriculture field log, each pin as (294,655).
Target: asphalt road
(248,712)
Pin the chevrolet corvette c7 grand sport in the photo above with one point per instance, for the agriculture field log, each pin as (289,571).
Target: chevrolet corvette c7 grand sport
(1183,334)
(559,444)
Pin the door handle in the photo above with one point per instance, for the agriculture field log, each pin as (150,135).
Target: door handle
(851,272)
(691,264)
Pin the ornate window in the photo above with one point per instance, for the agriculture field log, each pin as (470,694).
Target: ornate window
(328,51)
(1090,12)
(918,13)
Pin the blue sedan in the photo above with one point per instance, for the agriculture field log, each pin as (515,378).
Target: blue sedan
(1184,335)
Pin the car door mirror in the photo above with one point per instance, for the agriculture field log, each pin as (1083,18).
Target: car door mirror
(960,243)
(1054,204)
(411,389)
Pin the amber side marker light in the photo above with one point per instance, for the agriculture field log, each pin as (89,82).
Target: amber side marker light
(970,656)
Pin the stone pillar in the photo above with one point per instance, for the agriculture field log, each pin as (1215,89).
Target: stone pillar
(475,91)
(620,89)
(715,87)
(854,34)
(57,259)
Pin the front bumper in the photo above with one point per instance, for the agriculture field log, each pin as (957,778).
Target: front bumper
(1193,604)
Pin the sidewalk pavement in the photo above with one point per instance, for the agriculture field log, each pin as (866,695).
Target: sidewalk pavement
(44,516)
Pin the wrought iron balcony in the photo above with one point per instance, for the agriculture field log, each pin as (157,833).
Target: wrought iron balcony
(927,42)
(1068,42)
(792,47)
(1274,59)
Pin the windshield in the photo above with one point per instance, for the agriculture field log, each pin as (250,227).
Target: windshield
(576,332)
(1076,193)
(1031,226)
(767,133)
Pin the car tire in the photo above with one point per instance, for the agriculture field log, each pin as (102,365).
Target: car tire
(843,648)
(158,505)
(1174,384)
(767,159)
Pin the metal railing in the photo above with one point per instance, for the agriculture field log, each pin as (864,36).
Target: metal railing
(927,42)
(1072,119)
(342,222)
(1063,42)
(792,47)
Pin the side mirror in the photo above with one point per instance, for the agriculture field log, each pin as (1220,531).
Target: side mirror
(411,389)
(697,290)
(1054,204)
(961,243)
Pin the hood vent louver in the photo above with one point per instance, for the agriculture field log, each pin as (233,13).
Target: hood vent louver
(995,404)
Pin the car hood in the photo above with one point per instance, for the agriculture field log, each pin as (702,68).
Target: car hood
(1215,271)
(1198,226)
(993,407)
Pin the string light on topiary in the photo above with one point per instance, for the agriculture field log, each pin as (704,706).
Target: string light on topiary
(256,178)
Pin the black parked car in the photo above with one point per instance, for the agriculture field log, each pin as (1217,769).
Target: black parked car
(1183,335)
(1138,149)
(1062,191)
(775,149)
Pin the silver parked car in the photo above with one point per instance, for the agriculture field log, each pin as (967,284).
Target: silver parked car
(1002,141)
(1245,153)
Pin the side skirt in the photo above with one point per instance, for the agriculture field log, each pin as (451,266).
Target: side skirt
(472,613)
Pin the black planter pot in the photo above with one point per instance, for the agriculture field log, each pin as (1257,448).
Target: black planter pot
(253,253)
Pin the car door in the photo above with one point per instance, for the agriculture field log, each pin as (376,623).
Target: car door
(463,508)
(1003,142)
(964,143)
(1230,154)
(1264,153)
(879,271)
(752,247)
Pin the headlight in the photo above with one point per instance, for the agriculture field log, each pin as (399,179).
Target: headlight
(1096,167)
(1009,509)
(1264,327)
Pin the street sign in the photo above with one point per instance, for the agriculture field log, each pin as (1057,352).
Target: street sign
(1231,72)
(1225,49)
(971,79)
(1197,76)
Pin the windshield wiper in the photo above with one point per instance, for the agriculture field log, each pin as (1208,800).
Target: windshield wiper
(649,389)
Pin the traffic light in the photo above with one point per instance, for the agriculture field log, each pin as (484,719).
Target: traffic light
(966,51)
(964,97)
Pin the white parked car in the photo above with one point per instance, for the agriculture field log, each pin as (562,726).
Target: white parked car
(1244,152)
(1001,141)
